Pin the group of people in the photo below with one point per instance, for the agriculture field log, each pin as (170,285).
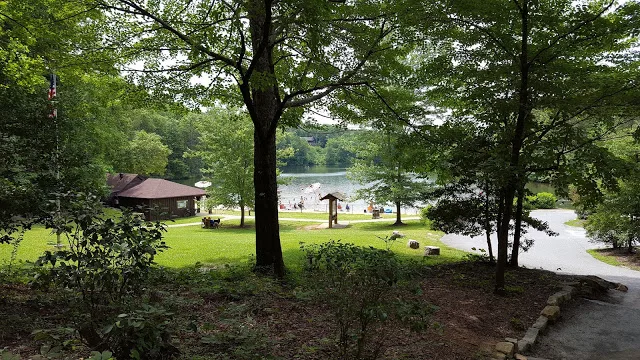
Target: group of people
(300,205)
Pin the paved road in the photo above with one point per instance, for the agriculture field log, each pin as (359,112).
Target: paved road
(595,330)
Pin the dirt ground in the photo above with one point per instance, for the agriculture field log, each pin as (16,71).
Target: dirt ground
(251,319)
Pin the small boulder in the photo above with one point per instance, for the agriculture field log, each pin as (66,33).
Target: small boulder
(622,287)
(431,250)
(499,356)
(523,345)
(541,323)
(551,312)
(553,300)
(559,298)
(511,340)
(530,336)
(505,348)
(414,244)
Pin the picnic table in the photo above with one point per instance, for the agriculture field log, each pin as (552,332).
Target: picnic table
(209,223)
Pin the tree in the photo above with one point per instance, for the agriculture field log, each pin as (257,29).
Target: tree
(303,153)
(615,217)
(383,165)
(500,67)
(338,150)
(275,57)
(146,154)
(226,149)
(43,155)
(178,131)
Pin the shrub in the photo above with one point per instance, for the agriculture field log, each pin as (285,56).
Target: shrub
(543,200)
(242,339)
(424,213)
(106,266)
(357,283)
(141,334)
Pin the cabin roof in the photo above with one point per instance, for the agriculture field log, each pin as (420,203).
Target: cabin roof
(122,181)
(160,189)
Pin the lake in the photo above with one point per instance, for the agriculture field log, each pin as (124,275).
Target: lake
(331,179)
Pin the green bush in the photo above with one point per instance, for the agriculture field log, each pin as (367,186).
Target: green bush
(424,216)
(358,285)
(543,200)
(106,267)
(141,334)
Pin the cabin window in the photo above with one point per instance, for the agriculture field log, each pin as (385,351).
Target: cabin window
(182,204)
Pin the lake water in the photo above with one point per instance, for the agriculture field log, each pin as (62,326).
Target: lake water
(331,179)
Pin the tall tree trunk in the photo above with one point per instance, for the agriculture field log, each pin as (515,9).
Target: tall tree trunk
(398,215)
(515,251)
(241,213)
(517,140)
(503,237)
(268,249)
(487,223)
(265,108)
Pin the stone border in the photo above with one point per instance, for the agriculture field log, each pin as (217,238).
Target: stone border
(511,348)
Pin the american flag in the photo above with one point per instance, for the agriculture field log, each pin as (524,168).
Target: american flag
(52,94)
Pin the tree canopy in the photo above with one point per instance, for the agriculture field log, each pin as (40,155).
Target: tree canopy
(273,56)
(529,84)
(226,150)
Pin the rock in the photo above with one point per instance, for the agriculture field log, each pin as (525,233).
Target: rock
(414,244)
(597,284)
(523,345)
(551,312)
(570,289)
(431,250)
(505,348)
(553,300)
(396,234)
(622,287)
(564,295)
(531,336)
(511,340)
(520,357)
(499,356)
(559,298)
(541,323)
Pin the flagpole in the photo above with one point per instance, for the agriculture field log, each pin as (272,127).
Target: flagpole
(53,92)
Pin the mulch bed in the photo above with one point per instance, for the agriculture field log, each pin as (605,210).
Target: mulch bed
(281,322)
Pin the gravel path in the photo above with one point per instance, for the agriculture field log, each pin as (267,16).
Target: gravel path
(594,330)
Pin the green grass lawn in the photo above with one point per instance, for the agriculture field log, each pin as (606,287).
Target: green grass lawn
(233,245)
(607,259)
(576,222)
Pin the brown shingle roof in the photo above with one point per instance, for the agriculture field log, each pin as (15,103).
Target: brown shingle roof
(160,189)
(122,181)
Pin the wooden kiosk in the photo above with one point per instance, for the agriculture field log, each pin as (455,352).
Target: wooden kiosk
(333,206)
